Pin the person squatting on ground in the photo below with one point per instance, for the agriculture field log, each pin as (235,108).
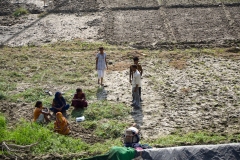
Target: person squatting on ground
(101,64)
(59,104)
(136,82)
(40,113)
(79,99)
(61,125)
(139,68)
(131,137)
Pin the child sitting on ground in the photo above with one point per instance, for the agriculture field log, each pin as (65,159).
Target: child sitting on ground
(40,113)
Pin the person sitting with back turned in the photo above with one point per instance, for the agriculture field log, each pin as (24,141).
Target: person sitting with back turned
(131,137)
(59,104)
(79,99)
(61,125)
(40,113)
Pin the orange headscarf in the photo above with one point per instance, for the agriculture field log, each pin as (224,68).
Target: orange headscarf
(61,124)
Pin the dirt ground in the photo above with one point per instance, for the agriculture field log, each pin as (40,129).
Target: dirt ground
(200,92)
(180,93)
(154,25)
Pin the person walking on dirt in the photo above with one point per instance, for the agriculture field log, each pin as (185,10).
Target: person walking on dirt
(135,86)
(139,68)
(101,64)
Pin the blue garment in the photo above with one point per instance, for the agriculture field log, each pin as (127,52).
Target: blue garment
(59,102)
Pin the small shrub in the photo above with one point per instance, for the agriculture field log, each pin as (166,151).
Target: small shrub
(2,96)
(2,127)
(110,129)
(106,110)
(30,95)
(20,11)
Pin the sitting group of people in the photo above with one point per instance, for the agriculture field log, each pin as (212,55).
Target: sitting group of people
(59,108)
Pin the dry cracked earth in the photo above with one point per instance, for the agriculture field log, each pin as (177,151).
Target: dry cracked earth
(200,92)
(137,23)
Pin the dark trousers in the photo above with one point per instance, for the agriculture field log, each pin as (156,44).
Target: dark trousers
(140,91)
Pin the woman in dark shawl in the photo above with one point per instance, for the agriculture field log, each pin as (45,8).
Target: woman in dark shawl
(79,99)
(59,104)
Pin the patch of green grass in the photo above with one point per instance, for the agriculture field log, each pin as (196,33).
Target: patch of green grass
(90,124)
(79,45)
(7,86)
(26,133)
(20,11)
(110,129)
(3,127)
(49,142)
(77,113)
(100,148)
(29,95)
(106,110)
(192,138)
(2,96)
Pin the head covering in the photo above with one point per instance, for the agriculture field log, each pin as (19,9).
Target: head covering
(59,117)
(61,124)
(59,101)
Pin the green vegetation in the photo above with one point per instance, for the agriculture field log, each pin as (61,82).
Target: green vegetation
(2,96)
(29,95)
(49,142)
(192,138)
(27,72)
(3,127)
(20,11)
(105,110)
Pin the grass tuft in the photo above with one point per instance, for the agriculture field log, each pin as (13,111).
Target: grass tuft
(106,110)
(20,11)
(2,127)
(192,138)
(2,96)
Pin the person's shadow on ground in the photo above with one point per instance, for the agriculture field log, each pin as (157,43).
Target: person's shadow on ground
(137,115)
(102,93)
(77,113)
